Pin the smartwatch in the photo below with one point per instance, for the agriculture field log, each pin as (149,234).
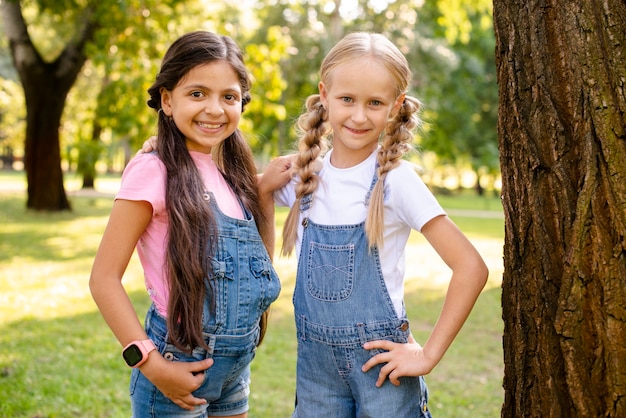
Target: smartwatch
(136,353)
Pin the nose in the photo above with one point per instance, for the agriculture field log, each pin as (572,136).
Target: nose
(213,107)
(359,115)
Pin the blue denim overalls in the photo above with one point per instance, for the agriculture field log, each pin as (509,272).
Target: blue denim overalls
(244,285)
(341,301)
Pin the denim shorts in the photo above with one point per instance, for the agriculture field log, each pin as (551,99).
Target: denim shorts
(226,384)
(335,387)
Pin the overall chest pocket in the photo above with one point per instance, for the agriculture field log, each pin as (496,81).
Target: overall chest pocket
(266,282)
(330,272)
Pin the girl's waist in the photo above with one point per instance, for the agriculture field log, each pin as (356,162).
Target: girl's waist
(213,335)
(357,333)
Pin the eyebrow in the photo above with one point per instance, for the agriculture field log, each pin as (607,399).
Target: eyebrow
(236,89)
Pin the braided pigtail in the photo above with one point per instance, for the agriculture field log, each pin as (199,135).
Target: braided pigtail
(311,147)
(396,143)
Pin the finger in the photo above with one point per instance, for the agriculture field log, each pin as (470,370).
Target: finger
(381,358)
(394,378)
(183,404)
(193,401)
(380,344)
(382,375)
(189,402)
(372,362)
(200,366)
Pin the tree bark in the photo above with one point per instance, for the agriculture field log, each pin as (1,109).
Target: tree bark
(45,85)
(561,68)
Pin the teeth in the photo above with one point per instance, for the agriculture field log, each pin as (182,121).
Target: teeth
(207,126)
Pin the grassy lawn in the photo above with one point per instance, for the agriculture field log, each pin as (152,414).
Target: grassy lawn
(59,359)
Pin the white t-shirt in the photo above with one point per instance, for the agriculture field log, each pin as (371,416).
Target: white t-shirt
(340,200)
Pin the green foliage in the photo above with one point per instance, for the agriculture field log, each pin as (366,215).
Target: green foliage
(12,114)
(449,44)
(266,110)
(89,154)
(463,110)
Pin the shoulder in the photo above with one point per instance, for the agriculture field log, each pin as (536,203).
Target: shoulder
(410,197)
(144,168)
(144,178)
(145,162)
(405,176)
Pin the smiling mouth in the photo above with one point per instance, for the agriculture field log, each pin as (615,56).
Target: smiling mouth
(210,125)
(357,131)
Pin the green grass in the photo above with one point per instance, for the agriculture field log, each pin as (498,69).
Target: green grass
(59,359)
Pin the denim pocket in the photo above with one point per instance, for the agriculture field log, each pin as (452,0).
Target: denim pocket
(266,280)
(173,353)
(223,268)
(134,376)
(331,271)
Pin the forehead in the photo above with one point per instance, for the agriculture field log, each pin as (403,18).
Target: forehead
(365,76)
(219,74)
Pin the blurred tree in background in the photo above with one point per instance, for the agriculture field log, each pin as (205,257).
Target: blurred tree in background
(98,117)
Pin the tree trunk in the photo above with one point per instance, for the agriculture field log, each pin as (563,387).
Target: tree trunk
(45,89)
(42,153)
(89,155)
(561,68)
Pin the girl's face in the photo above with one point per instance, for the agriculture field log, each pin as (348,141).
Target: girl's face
(205,105)
(360,100)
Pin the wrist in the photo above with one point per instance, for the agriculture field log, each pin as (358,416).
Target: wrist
(136,352)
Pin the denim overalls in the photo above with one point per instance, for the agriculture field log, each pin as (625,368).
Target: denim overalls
(244,285)
(340,302)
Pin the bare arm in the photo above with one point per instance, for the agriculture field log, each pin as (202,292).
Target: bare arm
(127,222)
(469,275)
(276,175)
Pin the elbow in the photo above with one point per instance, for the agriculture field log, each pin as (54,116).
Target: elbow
(476,271)
(482,272)
(95,287)
(485,275)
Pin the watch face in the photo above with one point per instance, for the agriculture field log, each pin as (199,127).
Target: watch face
(132,355)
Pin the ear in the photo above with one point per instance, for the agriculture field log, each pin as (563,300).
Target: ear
(397,104)
(323,94)
(166,101)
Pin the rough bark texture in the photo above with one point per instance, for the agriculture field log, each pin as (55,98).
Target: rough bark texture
(562,139)
(46,85)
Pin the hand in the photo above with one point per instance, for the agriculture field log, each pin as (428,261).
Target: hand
(277,173)
(177,380)
(399,360)
(148,146)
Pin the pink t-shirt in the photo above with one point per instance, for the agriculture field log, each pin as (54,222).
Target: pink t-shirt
(144,179)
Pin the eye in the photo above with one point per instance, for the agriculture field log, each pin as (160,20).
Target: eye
(376,103)
(197,94)
(231,97)
(346,99)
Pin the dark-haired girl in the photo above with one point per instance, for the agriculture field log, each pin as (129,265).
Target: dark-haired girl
(194,211)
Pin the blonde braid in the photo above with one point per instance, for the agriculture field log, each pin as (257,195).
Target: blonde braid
(396,143)
(311,147)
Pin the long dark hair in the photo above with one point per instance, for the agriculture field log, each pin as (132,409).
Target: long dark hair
(192,233)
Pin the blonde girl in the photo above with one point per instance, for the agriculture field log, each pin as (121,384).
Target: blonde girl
(354,202)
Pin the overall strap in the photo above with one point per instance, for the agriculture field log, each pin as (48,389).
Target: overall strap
(374,180)
(307,199)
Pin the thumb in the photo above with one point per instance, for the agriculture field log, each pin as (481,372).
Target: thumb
(200,366)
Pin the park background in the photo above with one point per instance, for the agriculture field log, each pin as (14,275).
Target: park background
(59,359)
